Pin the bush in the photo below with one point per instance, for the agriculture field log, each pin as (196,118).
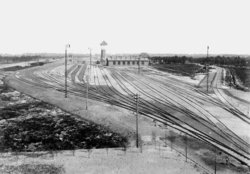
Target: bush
(33,169)
(62,132)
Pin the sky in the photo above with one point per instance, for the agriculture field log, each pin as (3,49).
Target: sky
(128,26)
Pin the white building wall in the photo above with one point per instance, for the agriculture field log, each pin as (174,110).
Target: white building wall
(131,63)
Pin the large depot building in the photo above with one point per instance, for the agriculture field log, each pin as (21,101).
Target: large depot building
(126,61)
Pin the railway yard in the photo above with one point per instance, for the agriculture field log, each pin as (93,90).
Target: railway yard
(170,101)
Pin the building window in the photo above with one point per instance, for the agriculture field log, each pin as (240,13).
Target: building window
(142,62)
(133,62)
(119,62)
(114,62)
(128,62)
(137,62)
(123,62)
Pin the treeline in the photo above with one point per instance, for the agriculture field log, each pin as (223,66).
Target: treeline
(211,60)
(11,59)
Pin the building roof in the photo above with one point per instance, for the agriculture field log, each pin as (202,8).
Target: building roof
(103,43)
(125,58)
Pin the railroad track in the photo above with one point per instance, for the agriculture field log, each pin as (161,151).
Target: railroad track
(155,105)
(238,146)
(194,118)
(228,106)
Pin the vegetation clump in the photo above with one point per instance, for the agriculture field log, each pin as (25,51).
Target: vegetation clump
(33,169)
(38,126)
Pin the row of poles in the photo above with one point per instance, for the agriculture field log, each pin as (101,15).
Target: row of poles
(66,74)
(136,96)
(137,100)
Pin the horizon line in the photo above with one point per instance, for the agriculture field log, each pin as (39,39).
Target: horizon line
(132,53)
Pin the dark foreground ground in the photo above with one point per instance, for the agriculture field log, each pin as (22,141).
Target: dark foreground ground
(28,124)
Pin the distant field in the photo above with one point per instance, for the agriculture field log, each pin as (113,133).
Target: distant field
(180,69)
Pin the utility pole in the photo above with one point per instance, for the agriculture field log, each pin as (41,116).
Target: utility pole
(137,98)
(66,73)
(87,79)
(215,162)
(207,68)
(87,89)
(90,56)
(139,64)
(186,145)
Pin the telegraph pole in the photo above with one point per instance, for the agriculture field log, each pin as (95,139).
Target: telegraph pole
(139,64)
(215,163)
(87,89)
(186,145)
(90,56)
(137,97)
(207,68)
(87,78)
(66,73)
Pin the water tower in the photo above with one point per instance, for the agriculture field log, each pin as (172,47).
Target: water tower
(103,52)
